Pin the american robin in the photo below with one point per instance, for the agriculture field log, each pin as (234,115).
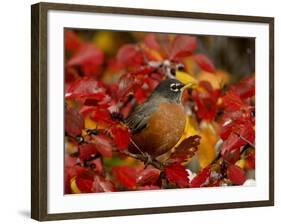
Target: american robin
(158,124)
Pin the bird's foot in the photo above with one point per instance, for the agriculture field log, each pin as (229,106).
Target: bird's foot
(147,159)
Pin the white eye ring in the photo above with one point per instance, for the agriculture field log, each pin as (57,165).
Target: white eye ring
(174,87)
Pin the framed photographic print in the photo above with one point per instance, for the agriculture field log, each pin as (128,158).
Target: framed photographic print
(138,111)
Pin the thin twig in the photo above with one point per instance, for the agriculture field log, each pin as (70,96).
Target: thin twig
(216,159)
(245,140)
(132,141)
(242,151)
(144,158)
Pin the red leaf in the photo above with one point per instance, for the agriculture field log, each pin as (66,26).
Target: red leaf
(84,178)
(70,161)
(102,115)
(85,110)
(250,160)
(202,178)
(130,55)
(74,122)
(206,101)
(186,149)
(233,142)
(241,135)
(227,125)
(204,62)
(86,87)
(232,102)
(139,86)
(214,183)
(177,174)
(121,137)
(71,41)
(151,42)
(91,99)
(140,95)
(84,172)
(84,185)
(77,170)
(232,120)
(125,175)
(235,174)
(148,176)
(125,111)
(67,188)
(125,87)
(149,187)
(103,145)
(97,165)
(231,156)
(102,185)
(206,108)
(153,80)
(245,88)
(88,58)
(183,46)
(94,99)
(87,151)
(71,75)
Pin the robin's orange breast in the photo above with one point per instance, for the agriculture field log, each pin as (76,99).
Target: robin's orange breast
(164,129)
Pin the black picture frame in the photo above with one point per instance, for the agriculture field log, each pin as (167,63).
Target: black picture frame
(39,107)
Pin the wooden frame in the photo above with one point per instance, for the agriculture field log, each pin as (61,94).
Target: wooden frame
(39,110)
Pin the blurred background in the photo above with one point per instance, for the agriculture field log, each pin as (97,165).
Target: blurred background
(233,55)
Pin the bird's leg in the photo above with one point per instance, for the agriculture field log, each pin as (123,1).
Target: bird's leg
(147,159)
(132,141)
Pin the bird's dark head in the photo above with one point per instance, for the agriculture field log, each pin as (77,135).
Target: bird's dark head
(170,89)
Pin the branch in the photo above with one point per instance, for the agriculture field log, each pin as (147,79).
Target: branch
(146,159)
(241,152)
(245,140)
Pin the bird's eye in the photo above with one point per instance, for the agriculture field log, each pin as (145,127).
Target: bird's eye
(174,87)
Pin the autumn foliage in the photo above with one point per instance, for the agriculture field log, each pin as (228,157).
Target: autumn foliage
(102,86)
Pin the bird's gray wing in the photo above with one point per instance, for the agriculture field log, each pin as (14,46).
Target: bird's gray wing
(139,118)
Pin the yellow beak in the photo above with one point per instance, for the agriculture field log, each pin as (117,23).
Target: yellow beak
(189,86)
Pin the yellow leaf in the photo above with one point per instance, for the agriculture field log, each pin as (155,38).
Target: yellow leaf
(217,80)
(191,126)
(190,65)
(209,136)
(89,123)
(105,40)
(73,186)
(185,78)
(189,130)
(241,163)
(156,55)
(71,147)
(153,53)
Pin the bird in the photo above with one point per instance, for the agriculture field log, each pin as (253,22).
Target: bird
(158,124)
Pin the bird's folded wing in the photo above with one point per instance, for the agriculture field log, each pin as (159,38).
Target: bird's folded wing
(138,120)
